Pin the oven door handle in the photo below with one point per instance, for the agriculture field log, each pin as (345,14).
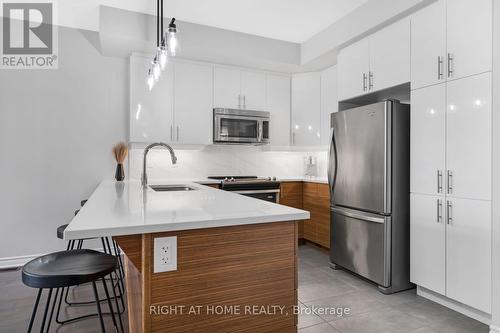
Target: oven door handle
(256,191)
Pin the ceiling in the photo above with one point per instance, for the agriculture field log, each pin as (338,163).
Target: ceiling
(289,20)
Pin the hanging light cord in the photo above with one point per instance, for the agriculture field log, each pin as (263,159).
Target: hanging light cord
(157,23)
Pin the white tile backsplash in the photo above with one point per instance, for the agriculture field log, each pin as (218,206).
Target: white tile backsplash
(224,160)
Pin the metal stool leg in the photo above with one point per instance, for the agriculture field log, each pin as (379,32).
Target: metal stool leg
(110,305)
(101,319)
(35,307)
(117,306)
(46,310)
(52,310)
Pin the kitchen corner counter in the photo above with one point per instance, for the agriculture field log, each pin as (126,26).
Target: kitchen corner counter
(117,209)
(319,180)
(242,249)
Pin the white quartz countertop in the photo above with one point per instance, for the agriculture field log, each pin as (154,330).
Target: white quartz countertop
(124,208)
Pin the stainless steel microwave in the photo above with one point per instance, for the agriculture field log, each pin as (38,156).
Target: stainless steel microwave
(233,126)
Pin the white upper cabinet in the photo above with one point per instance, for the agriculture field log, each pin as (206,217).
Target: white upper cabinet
(227,88)
(450,39)
(376,62)
(151,112)
(469,138)
(468,252)
(278,104)
(427,242)
(427,137)
(428,45)
(239,89)
(390,56)
(353,70)
(329,102)
(253,91)
(306,109)
(469,35)
(193,94)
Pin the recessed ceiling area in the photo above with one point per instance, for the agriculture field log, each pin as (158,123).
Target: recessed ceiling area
(288,20)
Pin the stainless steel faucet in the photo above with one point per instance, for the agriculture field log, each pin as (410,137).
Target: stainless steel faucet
(146,151)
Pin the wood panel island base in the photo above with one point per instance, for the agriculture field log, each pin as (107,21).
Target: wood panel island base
(229,279)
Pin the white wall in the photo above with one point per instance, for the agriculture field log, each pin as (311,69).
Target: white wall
(56,132)
(495,327)
(223,160)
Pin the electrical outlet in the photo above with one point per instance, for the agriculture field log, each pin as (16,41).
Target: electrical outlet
(165,254)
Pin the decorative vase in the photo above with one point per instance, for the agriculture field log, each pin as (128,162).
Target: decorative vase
(119,174)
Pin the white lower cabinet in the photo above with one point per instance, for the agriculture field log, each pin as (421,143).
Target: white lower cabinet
(468,252)
(450,248)
(427,242)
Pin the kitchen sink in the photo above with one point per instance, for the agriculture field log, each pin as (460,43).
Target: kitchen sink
(172,188)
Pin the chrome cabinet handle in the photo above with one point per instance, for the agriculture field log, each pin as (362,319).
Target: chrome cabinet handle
(439,181)
(177,133)
(449,211)
(244,102)
(293,138)
(370,80)
(450,182)
(364,81)
(239,101)
(439,215)
(440,67)
(450,65)
(172,133)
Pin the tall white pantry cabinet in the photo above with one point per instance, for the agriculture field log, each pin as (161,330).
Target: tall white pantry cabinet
(451,144)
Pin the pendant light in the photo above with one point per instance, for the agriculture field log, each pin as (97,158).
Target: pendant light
(167,44)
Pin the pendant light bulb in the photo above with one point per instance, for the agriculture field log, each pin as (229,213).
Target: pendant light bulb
(172,37)
(156,69)
(163,56)
(150,80)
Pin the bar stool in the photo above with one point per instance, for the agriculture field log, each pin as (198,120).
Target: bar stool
(120,276)
(63,269)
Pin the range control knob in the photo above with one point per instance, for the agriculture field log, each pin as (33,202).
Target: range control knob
(274,178)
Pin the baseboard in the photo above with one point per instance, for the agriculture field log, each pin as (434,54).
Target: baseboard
(494,329)
(15,262)
(478,315)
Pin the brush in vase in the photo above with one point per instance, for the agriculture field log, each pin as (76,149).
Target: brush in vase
(120,151)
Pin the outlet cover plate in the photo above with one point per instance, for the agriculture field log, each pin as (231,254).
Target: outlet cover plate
(165,254)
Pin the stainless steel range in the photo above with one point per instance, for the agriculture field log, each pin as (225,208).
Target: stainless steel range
(257,187)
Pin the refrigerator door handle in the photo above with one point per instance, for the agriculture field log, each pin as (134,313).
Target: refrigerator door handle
(331,171)
(358,215)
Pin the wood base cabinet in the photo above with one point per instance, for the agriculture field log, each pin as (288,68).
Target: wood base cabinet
(315,198)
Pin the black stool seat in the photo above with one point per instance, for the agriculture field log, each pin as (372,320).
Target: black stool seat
(67,268)
(60,230)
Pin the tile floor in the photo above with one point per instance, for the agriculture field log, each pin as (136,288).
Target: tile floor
(370,311)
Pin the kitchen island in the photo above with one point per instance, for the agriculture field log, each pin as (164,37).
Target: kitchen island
(235,256)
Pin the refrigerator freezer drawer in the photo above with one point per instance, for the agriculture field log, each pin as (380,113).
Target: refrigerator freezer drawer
(360,242)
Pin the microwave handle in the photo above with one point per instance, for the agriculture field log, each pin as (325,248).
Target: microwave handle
(260,129)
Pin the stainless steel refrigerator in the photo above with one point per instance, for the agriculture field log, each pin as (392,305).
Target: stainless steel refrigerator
(369,180)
